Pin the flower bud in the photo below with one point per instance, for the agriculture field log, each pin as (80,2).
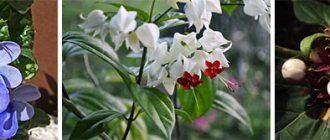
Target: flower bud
(314,57)
(294,70)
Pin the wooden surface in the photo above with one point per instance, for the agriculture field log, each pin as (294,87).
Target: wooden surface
(44,17)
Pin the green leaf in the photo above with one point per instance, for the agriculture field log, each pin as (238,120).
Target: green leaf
(228,104)
(27,64)
(167,18)
(183,114)
(157,106)
(4,33)
(306,43)
(295,120)
(99,48)
(229,8)
(312,12)
(90,99)
(93,124)
(205,94)
(138,129)
(22,6)
(27,36)
(70,50)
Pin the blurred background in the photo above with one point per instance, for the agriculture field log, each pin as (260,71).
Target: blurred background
(249,65)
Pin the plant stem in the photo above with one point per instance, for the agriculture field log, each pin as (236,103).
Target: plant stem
(163,14)
(139,79)
(90,71)
(72,108)
(177,123)
(129,122)
(286,52)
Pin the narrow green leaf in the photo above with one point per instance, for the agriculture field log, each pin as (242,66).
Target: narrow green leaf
(312,12)
(178,16)
(157,106)
(70,50)
(228,104)
(99,49)
(198,106)
(86,96)
(93,124)
(306,43)
(183,114)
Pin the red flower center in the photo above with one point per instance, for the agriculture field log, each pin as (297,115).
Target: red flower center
(213,69)
(187,81)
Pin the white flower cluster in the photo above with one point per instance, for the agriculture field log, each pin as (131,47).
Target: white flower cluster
(165,62)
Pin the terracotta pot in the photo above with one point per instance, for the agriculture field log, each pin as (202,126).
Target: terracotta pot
(44,17)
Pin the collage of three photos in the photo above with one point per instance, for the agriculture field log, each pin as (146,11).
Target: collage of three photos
(165,69)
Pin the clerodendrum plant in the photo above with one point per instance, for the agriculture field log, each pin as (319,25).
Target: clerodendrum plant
(16,65)
(185,67)
(306,114)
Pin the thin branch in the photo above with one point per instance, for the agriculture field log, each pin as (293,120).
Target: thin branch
(90,73)
(286,52)
(130,121)
(137,115)
(163,14)
(177,123)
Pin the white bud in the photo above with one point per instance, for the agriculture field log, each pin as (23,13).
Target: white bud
(294,70)
(314,57)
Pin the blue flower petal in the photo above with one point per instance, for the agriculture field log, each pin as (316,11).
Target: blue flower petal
(4,97)
(24,110)
(11,75)
(8,123)
(26,93)
(9,51)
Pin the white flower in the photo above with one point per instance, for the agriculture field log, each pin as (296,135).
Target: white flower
(160,54)
(184,44)
(120,25)
(133,42)
(95,22)
(148,34)
(194,64)
(255,7)
(259,9)
(217,54)
(173,4)
(264,21)
(214,39)
(165,75)
(199,12)
(328,88)
(213,6)
(196,14)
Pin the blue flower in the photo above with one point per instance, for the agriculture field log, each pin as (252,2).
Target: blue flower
(18,109)
(10,77)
